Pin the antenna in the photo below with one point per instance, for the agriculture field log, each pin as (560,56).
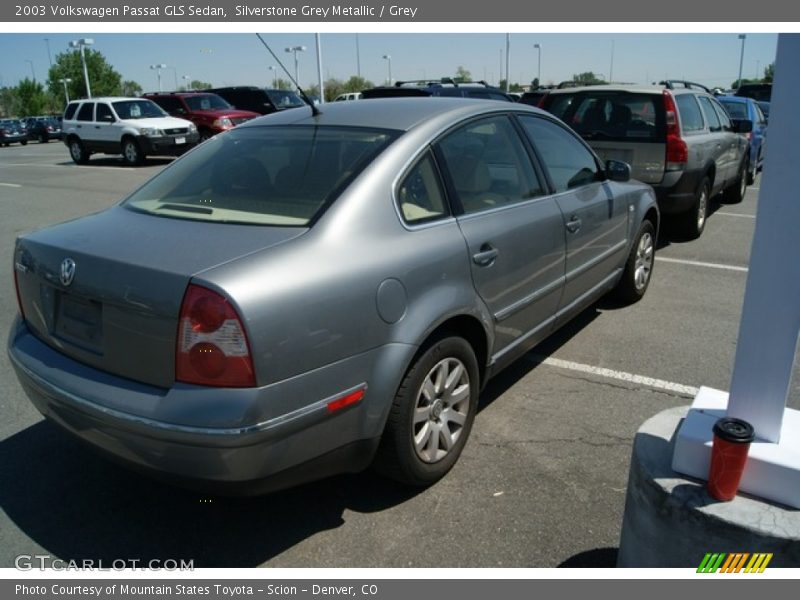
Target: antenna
(314,110)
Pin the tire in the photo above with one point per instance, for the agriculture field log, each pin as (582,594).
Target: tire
(694,221)
(78,152)
(639,266)
(43,139)
(428,424)
(131,152)
(735,193)
(24,142)
(205,134)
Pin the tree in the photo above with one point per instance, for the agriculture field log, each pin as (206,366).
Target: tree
(283,84)
(357,84)
(769,73)
(196,84)
(31,97)
(103,79)
(9,102)
(462,75)
(333,87)
(130,88)
(587,78)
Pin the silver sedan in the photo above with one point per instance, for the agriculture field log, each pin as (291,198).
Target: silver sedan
(311,294)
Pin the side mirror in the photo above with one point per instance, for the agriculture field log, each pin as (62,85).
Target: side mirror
(742,125)
(616,170)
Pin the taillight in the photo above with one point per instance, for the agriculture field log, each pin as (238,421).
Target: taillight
(19,298)
(677,151)
(212,347)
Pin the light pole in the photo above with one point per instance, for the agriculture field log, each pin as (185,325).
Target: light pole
(175,77)
(49,56)
(33,74)
(82,43)
(611,70)
(157,69)
(294,50)
(358,58)
(538,47)
(388,57)
(742,37)
(508,61)
(188,85)
(65,81)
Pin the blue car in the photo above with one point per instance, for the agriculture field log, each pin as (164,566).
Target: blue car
(739,107)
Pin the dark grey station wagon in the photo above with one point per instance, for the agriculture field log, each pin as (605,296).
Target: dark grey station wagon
(311,294)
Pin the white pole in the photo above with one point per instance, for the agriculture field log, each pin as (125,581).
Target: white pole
(770,325)
(319,71)
(508,60)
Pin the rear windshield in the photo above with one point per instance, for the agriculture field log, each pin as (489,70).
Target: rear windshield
(138,109)
(281,176)
(206,102)
(285,99)
(606,115)
(737,110)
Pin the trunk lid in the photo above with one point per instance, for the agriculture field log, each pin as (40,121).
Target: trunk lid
(116,306)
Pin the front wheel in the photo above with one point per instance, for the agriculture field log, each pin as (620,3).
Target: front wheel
(131,152)
(431,415)
(639,266)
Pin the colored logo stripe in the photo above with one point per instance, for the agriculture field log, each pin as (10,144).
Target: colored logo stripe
(734,563)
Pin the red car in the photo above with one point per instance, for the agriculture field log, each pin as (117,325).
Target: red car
(209,112)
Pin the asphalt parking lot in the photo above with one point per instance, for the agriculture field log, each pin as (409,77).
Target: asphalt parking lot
(541,482)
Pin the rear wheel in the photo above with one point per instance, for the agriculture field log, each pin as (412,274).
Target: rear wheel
(24,142)
(78,152)
(735,193)
(694,221)
(131,152)
(639,266)
(432,414)
(43,139)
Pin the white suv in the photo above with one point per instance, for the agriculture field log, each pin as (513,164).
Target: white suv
(133,127)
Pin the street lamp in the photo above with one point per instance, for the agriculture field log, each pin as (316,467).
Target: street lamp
(741,60)
(33,74)
(82,43)
(274,76)
(188,85)
(158,71)
(388,57)
(538,47)
(65,81)
(294,50)
(175,77)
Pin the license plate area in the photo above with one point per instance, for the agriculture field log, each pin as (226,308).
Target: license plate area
(79,321)
(180,140)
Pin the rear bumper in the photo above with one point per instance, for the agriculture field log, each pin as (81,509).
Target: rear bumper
(253,456)
(677,193)
(167,145)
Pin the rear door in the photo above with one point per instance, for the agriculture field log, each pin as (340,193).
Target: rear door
(512,227)
(595,223)
(619,125)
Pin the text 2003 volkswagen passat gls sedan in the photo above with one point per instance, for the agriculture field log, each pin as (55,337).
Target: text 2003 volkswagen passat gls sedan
(310,294)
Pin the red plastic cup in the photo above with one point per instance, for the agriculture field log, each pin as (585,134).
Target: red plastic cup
(732,439)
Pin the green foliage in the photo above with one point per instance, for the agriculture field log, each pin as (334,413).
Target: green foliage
(587,78)
(196,84)
(283,84)
(356,84)
(31,97)
(103,79)
(462,75)
(769,73)
(130,88)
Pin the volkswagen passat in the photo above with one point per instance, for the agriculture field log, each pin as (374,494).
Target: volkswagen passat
(310,294)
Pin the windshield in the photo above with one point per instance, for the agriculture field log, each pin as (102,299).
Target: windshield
(262,175)
(137,109)
(206,102)
(285,99)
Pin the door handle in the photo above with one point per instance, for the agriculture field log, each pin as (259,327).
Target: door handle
(486,256)
(574,224)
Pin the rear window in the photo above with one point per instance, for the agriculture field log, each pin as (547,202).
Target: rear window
(737,110)
(282,176)
(605,115)
(206,102)
(285,99)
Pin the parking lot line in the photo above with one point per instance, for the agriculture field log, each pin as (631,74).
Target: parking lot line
(660,384)
(741,216)
(697,263)
(12,185)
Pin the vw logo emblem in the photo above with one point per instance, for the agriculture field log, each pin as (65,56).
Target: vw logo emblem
(67,271)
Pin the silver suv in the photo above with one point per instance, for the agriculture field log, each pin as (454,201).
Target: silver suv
(675,136)
(132,127)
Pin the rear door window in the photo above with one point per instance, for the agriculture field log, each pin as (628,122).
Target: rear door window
(70,112)
(710,114)
(86,113)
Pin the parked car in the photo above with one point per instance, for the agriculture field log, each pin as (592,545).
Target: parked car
(534,97)
(347,96)
(263,101)
(133,127)
(761,92)
(441,87)
(675,136)
(741,107)
(44,129)
(11,132)
(764,109)
(210,113)
(307,295)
